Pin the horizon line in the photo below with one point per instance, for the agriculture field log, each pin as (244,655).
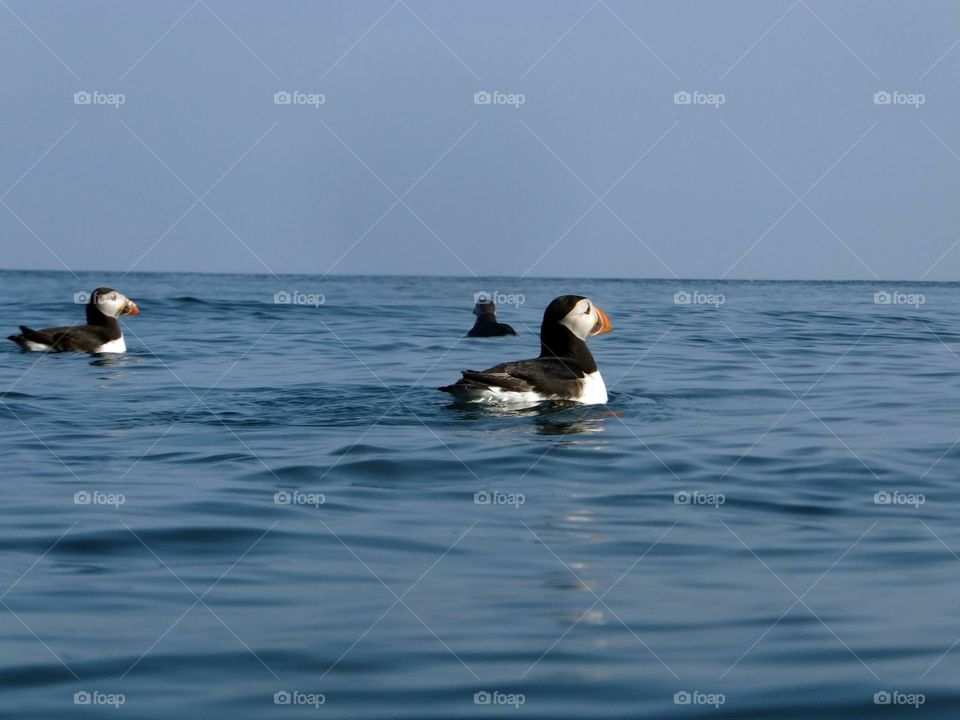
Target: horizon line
(476,277)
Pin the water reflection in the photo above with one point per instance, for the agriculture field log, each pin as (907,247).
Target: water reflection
(573,424)
(577,575)
(110,359)
(549,418)
(113,360)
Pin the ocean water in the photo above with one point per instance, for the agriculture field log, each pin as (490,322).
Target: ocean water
(762,522)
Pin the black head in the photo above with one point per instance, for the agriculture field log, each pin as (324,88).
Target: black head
(99,294)
(485,307)
(560,307)
(567,322)
(109,304)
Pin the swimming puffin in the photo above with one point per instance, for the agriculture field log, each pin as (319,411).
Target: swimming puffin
(101,334)
(486,324)
(565,369)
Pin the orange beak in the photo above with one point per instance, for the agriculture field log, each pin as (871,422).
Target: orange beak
(130,308)
(604,326)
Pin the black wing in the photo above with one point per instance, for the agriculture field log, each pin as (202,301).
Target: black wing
(550,376)
(79,338)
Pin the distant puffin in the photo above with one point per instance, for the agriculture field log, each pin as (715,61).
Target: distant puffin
(101,334)
(486,324)
(565,369)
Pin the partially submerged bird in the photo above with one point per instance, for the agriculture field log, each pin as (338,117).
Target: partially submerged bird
(565,369)
(101,334)
(486,324)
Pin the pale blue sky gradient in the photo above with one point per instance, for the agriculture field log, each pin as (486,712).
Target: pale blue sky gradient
(798,174)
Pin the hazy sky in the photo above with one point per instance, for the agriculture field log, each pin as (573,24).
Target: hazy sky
(784,166)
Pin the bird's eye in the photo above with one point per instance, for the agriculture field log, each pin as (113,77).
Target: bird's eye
(587,311)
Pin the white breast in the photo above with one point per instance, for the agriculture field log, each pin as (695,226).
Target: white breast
(114,346)
(594,391)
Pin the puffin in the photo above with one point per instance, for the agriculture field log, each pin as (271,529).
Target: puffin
(565,369)
(101,334)
(486,324)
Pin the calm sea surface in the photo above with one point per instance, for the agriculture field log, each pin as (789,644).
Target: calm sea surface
(265,505)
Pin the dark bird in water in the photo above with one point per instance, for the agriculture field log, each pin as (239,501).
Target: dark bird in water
(486,324)
(565,369)
(101,334)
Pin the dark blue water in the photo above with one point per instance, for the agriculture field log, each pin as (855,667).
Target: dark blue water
(784,588)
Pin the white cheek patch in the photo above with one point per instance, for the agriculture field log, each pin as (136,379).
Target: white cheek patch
(578,321)
(111,305)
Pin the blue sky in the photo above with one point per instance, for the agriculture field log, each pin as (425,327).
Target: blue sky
(784,164)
